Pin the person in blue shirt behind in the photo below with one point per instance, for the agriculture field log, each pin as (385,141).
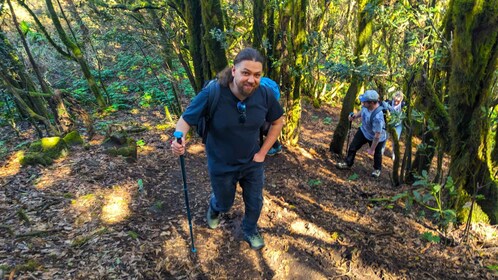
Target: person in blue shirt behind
(232,146)
(396,105)
(371,132)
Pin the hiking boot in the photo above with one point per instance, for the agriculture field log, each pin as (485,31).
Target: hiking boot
(376,173)
(213,218)
(274,151)
(255,241)
(342,165)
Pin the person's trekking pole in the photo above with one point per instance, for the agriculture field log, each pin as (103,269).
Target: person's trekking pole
(178,135)
(349,132)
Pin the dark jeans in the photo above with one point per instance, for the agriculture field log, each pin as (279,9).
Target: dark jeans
(358,141)
(224,185)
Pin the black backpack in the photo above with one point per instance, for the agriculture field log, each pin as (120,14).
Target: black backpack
(213,97)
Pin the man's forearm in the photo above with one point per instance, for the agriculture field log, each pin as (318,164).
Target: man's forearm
(273,133)
(182,126)
(375,142)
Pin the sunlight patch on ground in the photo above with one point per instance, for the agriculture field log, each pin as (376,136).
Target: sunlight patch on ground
(84,207)
(348,216)
(195,149)
(116,207)
(309,229)
(165,138)
(488,233)
(146,150)
(176,251)
(289,267)
(13,166)
(51,176)
(306,198)
(304,153)
(84,202)
(97,140)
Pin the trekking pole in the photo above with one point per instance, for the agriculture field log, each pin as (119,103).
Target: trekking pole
(349,133)
(178,135)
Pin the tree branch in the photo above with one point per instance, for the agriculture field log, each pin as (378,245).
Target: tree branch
(44,31)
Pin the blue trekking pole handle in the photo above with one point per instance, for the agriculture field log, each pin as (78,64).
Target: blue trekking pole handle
(178,135)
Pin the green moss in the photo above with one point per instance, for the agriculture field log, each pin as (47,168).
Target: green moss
(73,138)
(32,158)
(44,151)
(50,143)
(5,267)
(128,150)
(478,216)
(30,265)
(35,147)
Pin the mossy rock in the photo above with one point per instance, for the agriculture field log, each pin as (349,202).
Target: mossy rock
(478,216)
(44,151)
(73,138)
(128,150)
(36,158)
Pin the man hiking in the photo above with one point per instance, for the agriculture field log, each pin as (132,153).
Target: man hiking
(232,146)
(372,131)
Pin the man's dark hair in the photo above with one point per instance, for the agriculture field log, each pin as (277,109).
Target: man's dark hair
(248,54)
(225,76)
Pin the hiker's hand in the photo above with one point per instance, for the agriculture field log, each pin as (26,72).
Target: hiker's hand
(370,151)
(351,116)
(259,157)
(177,148)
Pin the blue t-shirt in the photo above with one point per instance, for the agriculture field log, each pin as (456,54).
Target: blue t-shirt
(229,142)
(370,128)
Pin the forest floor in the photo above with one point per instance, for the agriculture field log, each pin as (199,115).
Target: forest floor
(92,216)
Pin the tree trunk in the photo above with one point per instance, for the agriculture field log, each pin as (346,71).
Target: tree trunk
(212,20)
(193,19)
(298,29)
(474,56)
(258,26)
(19,84)
(60,114)
(365,31)
(270,35)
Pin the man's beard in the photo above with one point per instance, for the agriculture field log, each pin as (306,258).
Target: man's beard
(245,92)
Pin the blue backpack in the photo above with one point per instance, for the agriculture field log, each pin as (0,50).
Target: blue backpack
(214,95)
(271,84)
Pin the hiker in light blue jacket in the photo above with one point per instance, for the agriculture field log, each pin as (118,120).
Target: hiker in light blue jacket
(372,131)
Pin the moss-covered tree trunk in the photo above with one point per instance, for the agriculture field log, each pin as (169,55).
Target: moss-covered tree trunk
(270,36)
(61,115)
(15,73)
(193,19)
(295,19)
(258,26)
(474,55)
(437,129)
(364,35)
(77,54)
(212,20)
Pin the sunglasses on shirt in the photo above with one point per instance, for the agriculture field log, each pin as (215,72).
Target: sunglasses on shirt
(241,107)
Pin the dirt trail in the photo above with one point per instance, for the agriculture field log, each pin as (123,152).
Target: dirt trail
(88,217)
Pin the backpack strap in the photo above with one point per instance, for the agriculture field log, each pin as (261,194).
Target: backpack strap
(213,97)
(374,113)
